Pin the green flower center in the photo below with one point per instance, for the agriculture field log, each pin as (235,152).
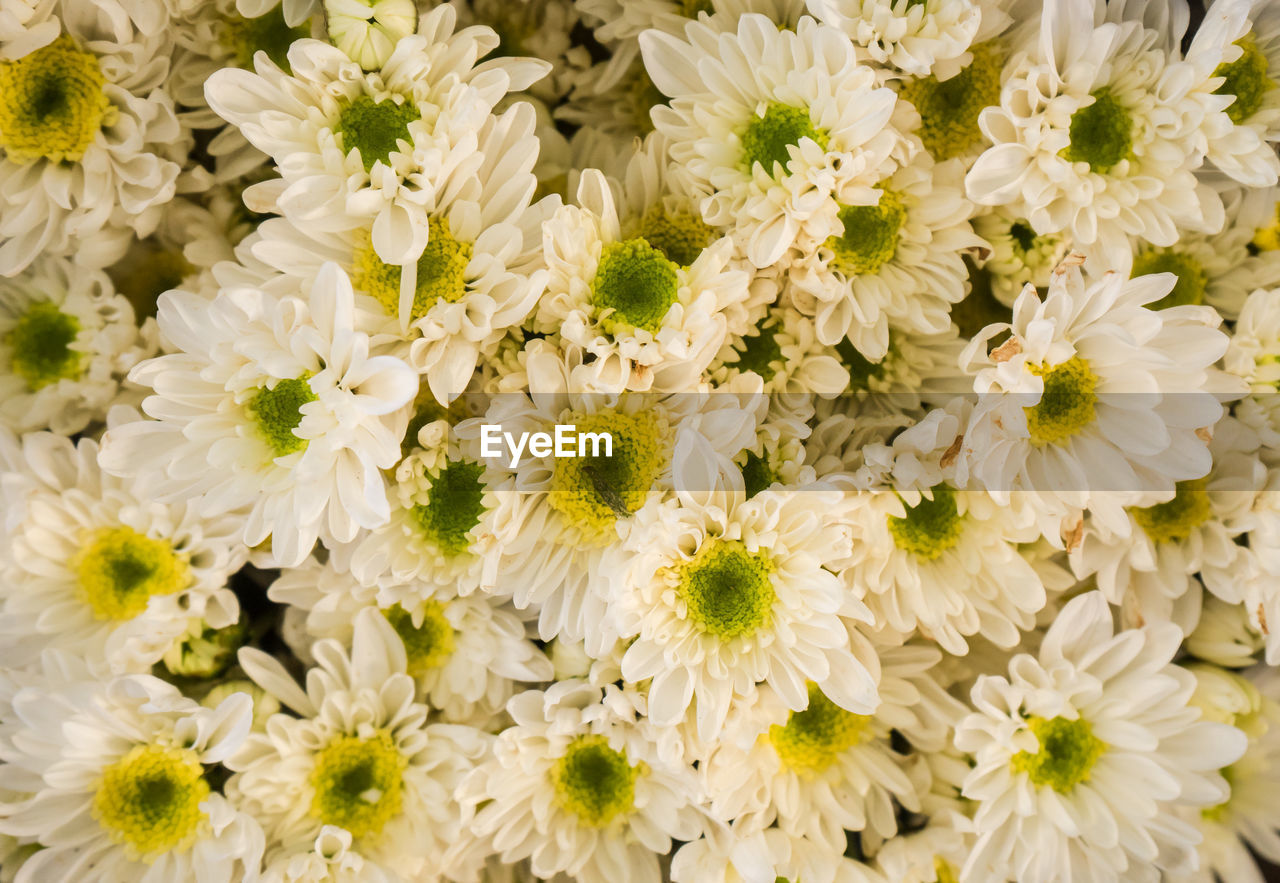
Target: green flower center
(454,507)
(813,739)
(118,571)
(595,782)
(1068,750)
(375,128)
(149,800)
(768,137)
(761,352)
(206,654)
(636,284)
(1067,405)
(679,235)
(429,645)
(727,590)
(1101,134)
(441,274)
(871,232)
(593,492)
(269,33)
(277,412)
(949,109)
(1175,520)
(52,103)
(358,783)
(757,474)
(41,344)
(1246,79)
(1192,279)
(1023,236)
(148,273)
(930,527)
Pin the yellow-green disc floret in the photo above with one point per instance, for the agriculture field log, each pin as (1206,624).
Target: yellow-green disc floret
(441,272)
(679,235)
(1175,520)
(813,739)
(375,128)
(1245,78)
(429,645)
(1101,133)
(118,570)
(1067,405)
(1068,750)
(1267,237)
(595,782)
(52,103)
(358,783)
(767,137)
(949,108)
(277,412)
(268,33)
(871,234)
(40,343)
(454,507)
(727,589)
(636,284)
(149,800)
(929,528)
(1192,279)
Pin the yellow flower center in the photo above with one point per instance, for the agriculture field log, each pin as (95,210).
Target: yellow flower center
(595,782)
(441,274)
(1068,750)
(813,739)
(767,138)
(41,346)
(1175,520)
(375,128)
(634,286)
(358,783)
(929,528)
(871,234)
(118,571)
(1268,238)
(1067,405)
(52,103)
(1101,133)
(1246,79)
(727,590)
(149,800)
(429,645)
(277,412)
(1192,279)
(679,235)
(949,109)
(454,507)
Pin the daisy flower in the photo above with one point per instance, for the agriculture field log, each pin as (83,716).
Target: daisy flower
(540,29)
(1018,256)
(271,406)
(781,128)
(97,564)
(113,781)
(90,147)
(1084,754)
(356,757)
(1253,355)
(728,854)
(361,149)
(949,107)
(67,342)
(576,785)
(368,30)
(918,38)
(784,350)
(1225,636)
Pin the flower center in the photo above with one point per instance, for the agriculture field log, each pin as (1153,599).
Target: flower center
(930,527)
(757,474)
(1268,238)
(813,739)
(679,235)
(52,103)
(1024,238)
(454,506)
(727,589)
(870,238)
(594,491)
(636,283)
(441,273)
(1067,405)
(375,128)
(1192,279)
(277,412)
(429,645)
(41,343)
(1175,520)
(767,138)
(949,109)
(1101,134)
(358,783)
(148,273)
(1245,78)
(595,782)
(268,32)
(149,800)
(119,569)
(1068,750)
(761,351)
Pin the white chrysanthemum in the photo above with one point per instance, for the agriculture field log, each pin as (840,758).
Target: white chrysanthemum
(937,840)
(1093,400)
(783,348)
(359,757)
(1254,356)
(368,30)
(918,37)
(90,147)
(1018,255)
(898,263)
(1084,755)
(1095,134)
(464,652)
(96,565)
(723,596)
(727,854)
(538,28)
(649,322)
(1224,635)
(781,127)
(1258,576)
(111,778)
(364,150)
(272,406)
(577,785)
(67,341)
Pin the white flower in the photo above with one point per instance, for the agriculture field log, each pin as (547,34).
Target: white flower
(1084,754)
(367,30)
(1254,356)
(917,38)
(111,777)
(1018,255)
(274,406)
(783,348)
(1224,635)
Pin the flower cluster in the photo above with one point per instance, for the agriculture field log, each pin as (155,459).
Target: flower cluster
(625,441)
